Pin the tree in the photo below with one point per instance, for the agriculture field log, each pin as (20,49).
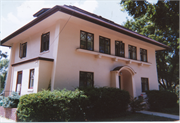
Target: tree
(160,22)
(3,69)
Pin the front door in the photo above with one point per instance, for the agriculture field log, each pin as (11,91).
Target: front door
(19,80)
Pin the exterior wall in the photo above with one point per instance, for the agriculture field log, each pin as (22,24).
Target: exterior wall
(25,68)
(70,62)
(45,72)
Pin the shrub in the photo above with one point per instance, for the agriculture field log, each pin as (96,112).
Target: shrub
(59,105)
(161,99)
(11,101)
(103,102)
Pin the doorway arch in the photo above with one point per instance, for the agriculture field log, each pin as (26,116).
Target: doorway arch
(123,79)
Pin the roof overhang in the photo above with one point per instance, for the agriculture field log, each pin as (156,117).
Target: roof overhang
(50,15)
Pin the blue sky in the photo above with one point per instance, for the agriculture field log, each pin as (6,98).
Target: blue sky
(16,13)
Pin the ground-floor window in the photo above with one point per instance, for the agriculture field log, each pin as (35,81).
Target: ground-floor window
(86,79)
(145,84)
(31,79)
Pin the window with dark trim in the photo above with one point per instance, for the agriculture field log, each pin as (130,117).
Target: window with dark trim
(104,45)
(143,55)
(86,79)
(45,42)
(119,48)
(132,52)
(86,40)
(144,84)
(31,79)
(22,51)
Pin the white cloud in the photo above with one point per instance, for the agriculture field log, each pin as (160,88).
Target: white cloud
(88,5)
(13,19)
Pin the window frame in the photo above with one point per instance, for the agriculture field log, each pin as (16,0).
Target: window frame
(87,40)
(144,81)
(130,55)
(43,48)
(29,86)
(118,50)
(86,79)
(142,55)
(104,45)
(23,50)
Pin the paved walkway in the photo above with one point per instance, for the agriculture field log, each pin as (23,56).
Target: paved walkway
(3,119)
(176,117)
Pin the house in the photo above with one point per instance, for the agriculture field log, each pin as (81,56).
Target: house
(67,47)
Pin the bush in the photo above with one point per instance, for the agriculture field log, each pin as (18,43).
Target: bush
(161,99)
(103,102)
(11,101)
(44,106)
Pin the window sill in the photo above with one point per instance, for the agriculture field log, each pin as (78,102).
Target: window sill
(114,58)
(30,90)
(41,53)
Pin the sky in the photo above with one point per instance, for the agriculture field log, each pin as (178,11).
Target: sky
(16,13)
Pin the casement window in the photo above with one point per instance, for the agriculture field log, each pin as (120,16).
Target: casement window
(86,40)
(119,48)
(143,55)
(144,84)
(31,79)
(104,45)
(86,79)
(132,52)
(45,42)
(22,51)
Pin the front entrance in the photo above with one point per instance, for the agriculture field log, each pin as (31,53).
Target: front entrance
(18,83)
(122,77)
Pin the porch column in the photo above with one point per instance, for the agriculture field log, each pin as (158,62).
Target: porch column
(114,79)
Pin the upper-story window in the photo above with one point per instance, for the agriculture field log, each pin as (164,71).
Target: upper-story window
(132,52)
(104,45)
(119,48)
(86,79)
(143,55)
(45,42)
(22,51)
(86,40)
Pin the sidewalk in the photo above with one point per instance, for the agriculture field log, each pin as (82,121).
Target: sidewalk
(176,117)
(3,119)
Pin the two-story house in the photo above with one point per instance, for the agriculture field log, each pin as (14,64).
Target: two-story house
(67,47)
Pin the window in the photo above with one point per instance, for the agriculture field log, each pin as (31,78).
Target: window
(143,55)
(132,52)
(45,42)
(145,84)
(23,48)
(104,45)
(119,48)
(86,79)
(31,79)
(86,40)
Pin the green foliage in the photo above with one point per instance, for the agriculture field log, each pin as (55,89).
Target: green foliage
(161,99)
(46,106)
(11,101)
(160,22)
(137,104)
(103,102)
(3,72)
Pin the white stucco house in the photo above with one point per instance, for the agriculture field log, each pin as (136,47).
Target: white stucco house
(67,47)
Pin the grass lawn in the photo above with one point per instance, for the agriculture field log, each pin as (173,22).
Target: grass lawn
(134,117)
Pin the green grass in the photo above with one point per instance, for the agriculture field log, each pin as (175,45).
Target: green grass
(134,117)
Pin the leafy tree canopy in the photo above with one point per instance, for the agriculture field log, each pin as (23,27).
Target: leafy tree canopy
(160,22)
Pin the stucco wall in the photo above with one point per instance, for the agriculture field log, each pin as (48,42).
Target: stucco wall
(70,62)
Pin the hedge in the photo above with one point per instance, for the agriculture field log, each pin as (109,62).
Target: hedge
(11,101)
(78,105)
(48,106)
(103,102)
(161,99)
